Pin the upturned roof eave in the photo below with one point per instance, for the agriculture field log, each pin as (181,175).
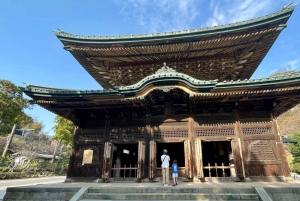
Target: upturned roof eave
(293,79)
(202,32)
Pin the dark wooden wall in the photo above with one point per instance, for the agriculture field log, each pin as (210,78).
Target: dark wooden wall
(255,142)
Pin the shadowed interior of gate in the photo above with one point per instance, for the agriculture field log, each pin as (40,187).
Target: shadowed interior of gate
(175,151)
(125,156)
(216,155)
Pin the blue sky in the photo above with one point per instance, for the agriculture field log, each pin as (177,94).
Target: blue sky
(31,53)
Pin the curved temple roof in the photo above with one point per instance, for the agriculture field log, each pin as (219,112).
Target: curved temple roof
(70,103)
(225,52)
(169,78)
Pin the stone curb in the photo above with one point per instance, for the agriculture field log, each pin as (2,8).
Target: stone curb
(79,194)
(262,194)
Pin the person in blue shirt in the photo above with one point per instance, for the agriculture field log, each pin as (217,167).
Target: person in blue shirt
(175,172)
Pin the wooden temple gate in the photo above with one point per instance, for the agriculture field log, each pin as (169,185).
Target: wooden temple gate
(186,92)
(235,149)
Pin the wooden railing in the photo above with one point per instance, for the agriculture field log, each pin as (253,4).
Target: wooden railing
(181,172)
(125,170)
(216,168)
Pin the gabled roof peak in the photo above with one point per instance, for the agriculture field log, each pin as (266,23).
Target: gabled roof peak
(285,9)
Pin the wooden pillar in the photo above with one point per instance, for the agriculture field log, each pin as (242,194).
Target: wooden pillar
(147,139)
(106,138)
(191,125)
(280,145)
(241,148)
(73,153)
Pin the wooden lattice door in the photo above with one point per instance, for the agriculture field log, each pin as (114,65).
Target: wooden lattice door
(199,159)
(107,160)
(141,159)
(152,157)
(187,154)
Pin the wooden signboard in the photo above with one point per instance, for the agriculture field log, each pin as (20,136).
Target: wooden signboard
(87,157)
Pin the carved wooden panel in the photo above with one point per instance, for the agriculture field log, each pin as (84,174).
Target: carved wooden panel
(120,134)
(261,150)
(257,130)
(214,132)
(80,153)
(87,170)
(91,134)
(170,134)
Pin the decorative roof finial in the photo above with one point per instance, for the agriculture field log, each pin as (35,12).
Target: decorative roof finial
(285,7)
(165,66)
(165,69)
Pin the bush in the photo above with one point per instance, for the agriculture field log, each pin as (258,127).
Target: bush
(4,169)
(19,175)
(4,161)
(18,168)
(296,168)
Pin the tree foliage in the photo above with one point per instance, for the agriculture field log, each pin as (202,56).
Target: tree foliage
(282,73)
(23,121)
(12,102)
(63,130)
(295,148)
(32,123)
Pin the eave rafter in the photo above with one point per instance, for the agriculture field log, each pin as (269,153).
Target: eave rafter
(247,95)
(223,58)
(227,52)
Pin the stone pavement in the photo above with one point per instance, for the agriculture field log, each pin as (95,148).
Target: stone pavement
(180,184)
(287,184)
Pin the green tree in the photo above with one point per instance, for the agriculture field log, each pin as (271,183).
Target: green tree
(295,148)
(12,102)
(63,130)
(63,133)
(32,123)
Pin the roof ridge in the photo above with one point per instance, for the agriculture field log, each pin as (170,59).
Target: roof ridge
(285,9)
(294,74)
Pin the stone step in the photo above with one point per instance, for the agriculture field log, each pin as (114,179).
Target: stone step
(176,189)
(165,200)
(170,196)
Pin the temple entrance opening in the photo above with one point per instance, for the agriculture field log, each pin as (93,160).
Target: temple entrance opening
(125,158)
(216,159)
(175,151)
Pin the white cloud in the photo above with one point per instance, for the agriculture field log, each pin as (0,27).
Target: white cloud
(293,64)
(172,15)
(162,15)
(287,66)
(230,11)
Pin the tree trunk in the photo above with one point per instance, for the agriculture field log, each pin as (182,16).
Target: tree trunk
(61,148)
(56,148)
(1,122)
(10,138)
(23,132)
